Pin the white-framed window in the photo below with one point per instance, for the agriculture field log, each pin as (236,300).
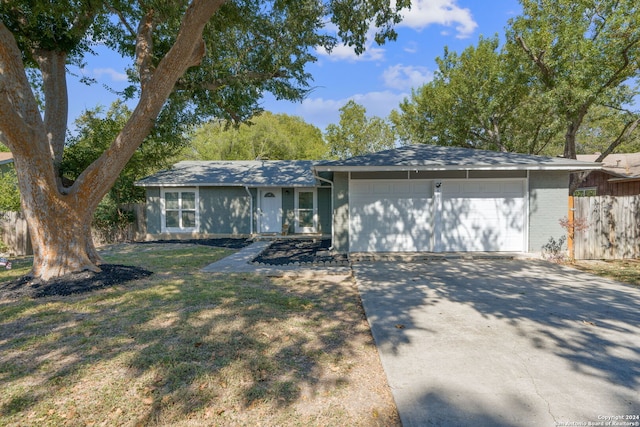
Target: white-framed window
(180,210)
(306,211)
(586,192)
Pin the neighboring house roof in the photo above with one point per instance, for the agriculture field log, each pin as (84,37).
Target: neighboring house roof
(267,173)
(623,166)
(6,158)
(434,157)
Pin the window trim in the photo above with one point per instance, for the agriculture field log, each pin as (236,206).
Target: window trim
(296,206)
(163,213)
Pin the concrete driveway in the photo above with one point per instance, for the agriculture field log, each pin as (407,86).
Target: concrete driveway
(504,342)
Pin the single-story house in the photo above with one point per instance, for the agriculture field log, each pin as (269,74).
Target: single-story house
(416,198)
(619,176)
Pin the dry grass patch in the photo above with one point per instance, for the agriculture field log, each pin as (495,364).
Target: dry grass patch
(624,270)
(188,348)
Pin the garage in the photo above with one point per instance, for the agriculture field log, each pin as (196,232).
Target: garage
(433,215)
(428,198)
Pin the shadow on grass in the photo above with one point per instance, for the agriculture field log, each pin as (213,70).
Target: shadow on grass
(210,347)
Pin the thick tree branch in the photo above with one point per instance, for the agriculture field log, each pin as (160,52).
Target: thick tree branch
(53,69)
(144,49)
(20,120)
(187,51)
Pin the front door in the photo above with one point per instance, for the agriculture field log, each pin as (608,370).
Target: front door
(270,214)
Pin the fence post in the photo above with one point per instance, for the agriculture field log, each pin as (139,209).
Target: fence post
(570,229)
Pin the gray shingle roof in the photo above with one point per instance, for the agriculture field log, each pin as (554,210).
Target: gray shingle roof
(273,173)
(434,157)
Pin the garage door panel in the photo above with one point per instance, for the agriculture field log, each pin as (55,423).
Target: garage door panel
(483,216)
(391,216)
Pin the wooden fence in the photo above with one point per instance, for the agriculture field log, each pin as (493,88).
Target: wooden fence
(613,227)
(14,232)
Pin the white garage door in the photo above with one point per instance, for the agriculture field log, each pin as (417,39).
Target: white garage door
(482,216)
(390,216)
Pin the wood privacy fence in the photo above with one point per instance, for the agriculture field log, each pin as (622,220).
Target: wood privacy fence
(14,232)
(613,227)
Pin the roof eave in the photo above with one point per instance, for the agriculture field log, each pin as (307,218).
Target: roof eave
(390,168)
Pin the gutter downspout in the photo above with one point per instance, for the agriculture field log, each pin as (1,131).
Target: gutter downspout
(246,188)
(333,228)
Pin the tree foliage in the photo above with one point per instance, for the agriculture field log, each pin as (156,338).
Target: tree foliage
(580,55)
(190,60)
(477,99)
(356,134)
(9,194)
(266,136)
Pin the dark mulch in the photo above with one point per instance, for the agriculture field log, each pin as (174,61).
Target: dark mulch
(229,243)
(75,283)
(283,252)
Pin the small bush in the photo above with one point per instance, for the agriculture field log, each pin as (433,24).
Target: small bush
(553,249)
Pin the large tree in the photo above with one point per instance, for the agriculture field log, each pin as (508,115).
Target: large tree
(480,98)
(581,54)
(356,134)
(265,136)
(202,57)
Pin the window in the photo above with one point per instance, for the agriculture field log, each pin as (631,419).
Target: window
(306,216)
(586,192)
(180,210)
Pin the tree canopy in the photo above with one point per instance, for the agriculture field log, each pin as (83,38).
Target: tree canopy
(580,55)
(477,99)
(356,134)
(564,80)
(190,60)
(265,136)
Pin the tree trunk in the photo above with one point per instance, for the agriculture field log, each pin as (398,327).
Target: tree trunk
(61,244)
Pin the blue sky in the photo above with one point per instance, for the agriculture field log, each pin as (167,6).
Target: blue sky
(379,79)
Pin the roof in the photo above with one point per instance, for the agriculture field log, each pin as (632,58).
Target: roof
(6,158)
(434,157)
(267,173)
(622,165)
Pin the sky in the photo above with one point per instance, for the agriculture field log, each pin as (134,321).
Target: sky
(379,79)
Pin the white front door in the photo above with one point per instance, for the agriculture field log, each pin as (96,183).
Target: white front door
(270,214)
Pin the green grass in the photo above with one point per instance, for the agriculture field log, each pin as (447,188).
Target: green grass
(183,347)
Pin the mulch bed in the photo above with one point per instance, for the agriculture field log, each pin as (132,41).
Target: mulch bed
(75,283)
(286,252)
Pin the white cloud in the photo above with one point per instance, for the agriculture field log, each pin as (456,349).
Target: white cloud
(322,112)
(116,76)
(406,77)
(444,12)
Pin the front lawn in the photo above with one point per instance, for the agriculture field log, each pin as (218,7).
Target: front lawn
(183,347)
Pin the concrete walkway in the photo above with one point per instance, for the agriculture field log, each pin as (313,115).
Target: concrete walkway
(240,262)
(504,342)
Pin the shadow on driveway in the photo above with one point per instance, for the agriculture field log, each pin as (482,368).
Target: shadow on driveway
(503,342)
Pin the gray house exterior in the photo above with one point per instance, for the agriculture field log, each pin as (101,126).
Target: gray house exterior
(417,198)
(237,198)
